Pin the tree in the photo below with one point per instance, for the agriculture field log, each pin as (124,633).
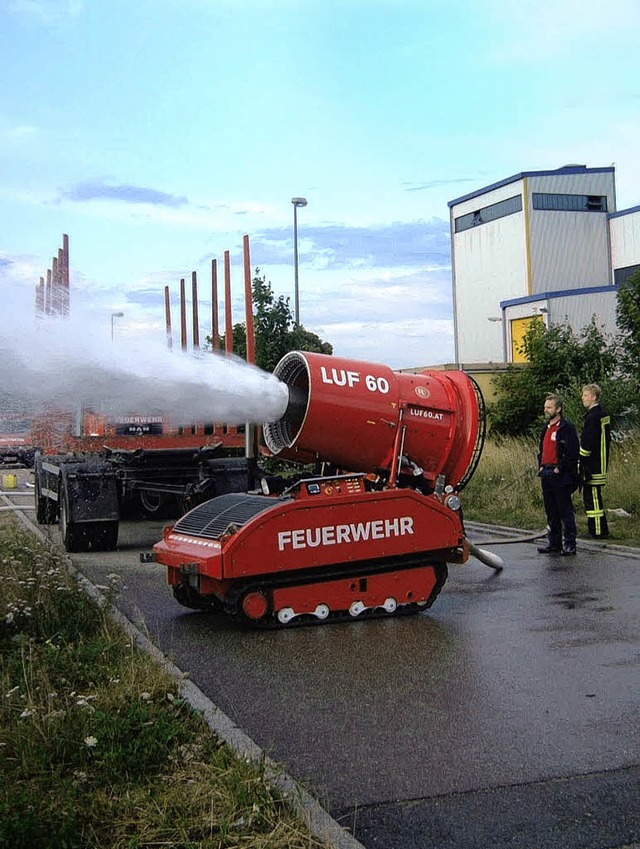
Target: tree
(628,317)
(275,330)
(559,360)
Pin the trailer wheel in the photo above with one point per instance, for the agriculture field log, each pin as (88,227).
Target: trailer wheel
(73,536)
(109,536)
(99,536)
(45,507)
(152,502)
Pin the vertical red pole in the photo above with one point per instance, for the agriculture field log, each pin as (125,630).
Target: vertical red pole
(248,303)
(65,274)
(55,287)
(194,308)
(228,335)
(40,297)
(47,294)
(183,316)
(167,315)
(61,290)
(215,329)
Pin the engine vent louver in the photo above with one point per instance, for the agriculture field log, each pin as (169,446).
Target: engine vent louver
(212,519)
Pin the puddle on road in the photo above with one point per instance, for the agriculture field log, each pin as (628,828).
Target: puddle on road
(580,600)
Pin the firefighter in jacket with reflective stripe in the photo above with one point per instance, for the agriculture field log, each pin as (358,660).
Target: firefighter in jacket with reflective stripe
(594,460)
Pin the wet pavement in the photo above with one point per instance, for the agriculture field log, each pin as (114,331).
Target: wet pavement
(505,716)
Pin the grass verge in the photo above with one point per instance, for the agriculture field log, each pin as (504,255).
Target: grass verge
(505,489)
(97,749)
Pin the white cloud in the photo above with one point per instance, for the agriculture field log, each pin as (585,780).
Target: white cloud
(46,12)
(19,132)
(403,343)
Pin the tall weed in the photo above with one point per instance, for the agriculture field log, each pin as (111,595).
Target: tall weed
(97,748)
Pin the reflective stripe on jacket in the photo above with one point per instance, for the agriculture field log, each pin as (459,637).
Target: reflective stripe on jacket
(594,446)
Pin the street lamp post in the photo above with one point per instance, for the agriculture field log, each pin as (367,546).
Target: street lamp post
(297,202)
(115,315)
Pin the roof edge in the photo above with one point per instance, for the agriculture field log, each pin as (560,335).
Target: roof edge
(562,293)
(567,169)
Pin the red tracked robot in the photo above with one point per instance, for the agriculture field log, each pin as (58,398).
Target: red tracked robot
(373,538)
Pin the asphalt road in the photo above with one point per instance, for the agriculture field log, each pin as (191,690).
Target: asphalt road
(506,716)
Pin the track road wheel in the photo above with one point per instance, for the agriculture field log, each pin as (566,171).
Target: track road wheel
(255,606)
(356,608)
(72,533)
(321,611)
(286,615)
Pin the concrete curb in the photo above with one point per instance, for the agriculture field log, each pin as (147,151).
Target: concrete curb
(319,822)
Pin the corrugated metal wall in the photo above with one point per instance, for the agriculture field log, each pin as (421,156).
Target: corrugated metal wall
(490,265)
(570,250)
(625,240)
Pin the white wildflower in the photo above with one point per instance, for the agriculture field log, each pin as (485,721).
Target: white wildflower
(90,742)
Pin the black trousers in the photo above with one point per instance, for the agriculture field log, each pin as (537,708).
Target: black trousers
(558,506)
(594,508)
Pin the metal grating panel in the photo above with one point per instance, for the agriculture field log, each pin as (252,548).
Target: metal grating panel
(211,519)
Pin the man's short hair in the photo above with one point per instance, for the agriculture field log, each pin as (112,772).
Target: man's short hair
(594,389)
(558,400)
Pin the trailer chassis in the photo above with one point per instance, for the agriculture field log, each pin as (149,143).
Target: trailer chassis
(89,494)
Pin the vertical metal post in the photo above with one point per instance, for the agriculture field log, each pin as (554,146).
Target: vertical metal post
(295,265)
(215,329)
(55,287)
(183,316)
(296,203)
(65,275)
(115,315)
(47,294)
(167,316)
(194,308)
(248,303)
(228,334)
(40,298)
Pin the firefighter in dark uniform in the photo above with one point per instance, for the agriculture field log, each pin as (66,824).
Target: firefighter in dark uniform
(594,460)
(558,456)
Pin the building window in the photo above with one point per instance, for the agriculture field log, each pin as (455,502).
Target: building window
(489,213)
(569,203)
(621,275)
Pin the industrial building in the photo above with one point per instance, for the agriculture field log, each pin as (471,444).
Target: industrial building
(538,246)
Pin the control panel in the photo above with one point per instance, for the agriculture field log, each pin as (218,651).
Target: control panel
(334,486)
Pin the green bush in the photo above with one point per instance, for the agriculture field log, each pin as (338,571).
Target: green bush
(561,361)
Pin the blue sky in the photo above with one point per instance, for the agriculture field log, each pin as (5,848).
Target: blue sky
(157,132)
